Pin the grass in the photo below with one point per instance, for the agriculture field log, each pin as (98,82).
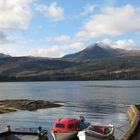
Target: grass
(6,110)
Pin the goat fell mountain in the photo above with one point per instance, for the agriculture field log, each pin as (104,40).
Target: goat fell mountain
(96,62)
(92,52)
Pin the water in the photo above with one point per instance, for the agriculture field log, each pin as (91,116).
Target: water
(98,101)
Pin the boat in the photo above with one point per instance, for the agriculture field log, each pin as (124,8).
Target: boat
(68,128)
(97,132)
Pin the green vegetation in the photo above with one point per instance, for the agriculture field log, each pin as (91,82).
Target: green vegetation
(6,110)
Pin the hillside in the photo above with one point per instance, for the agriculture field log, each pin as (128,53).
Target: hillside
(31,68)
(4,55)
(93,63)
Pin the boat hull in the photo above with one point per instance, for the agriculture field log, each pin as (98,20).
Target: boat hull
(91,135)
(87,136)
(65,135)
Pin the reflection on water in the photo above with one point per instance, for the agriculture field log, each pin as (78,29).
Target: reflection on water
(97,101)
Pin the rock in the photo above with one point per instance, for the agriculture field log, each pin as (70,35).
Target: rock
(25,104)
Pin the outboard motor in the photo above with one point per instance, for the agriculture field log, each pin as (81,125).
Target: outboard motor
(42,134)
(82,119)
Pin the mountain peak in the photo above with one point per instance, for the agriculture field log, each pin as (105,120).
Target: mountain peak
(97,50)
(99,44)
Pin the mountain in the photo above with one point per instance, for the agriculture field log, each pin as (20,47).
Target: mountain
(96,62)
(30,68)
(4,55)
(94,51)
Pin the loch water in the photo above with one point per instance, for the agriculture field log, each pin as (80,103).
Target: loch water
(98,101)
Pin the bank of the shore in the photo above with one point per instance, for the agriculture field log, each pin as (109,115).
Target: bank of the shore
(25,104)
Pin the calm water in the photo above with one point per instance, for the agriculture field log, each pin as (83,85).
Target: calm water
(97,101)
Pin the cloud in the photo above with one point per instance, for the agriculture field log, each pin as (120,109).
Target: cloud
(51,51)
(52,11)
(57,51)
(121,44)
(68,44)
(75,45)
(14,14)
(62,38)
(125,44)
(4,39)
(88,9)
(113,21)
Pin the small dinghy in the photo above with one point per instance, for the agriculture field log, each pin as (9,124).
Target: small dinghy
(97,132)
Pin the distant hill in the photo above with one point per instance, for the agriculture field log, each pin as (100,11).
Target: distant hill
(96,62)
(4,55)
(33,68)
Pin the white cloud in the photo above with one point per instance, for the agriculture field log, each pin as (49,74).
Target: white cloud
(14,14)
(52,11)
(62,38)
(125,44)
(3,49)
(57,51)
(88,9)
(51,51)
(4,39)
(121,44)
(75,45)
(113,21)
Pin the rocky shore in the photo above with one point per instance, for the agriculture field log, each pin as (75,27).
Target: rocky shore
(25,104)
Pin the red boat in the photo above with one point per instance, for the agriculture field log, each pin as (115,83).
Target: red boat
(68,128)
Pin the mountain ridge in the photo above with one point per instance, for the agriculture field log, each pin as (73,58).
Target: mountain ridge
(92,63)
(97,51)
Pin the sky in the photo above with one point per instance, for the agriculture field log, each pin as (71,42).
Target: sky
(54,28)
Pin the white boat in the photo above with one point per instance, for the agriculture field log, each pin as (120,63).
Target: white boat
(97,132)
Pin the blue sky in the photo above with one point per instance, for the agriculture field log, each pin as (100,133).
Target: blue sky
(53,28)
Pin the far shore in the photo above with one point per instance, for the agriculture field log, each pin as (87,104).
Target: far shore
(7,106)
